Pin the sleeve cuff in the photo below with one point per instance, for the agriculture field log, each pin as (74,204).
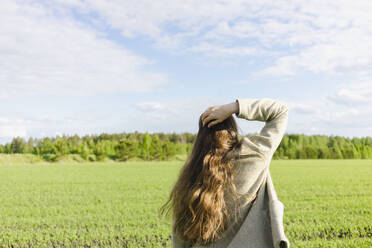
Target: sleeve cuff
(239,108)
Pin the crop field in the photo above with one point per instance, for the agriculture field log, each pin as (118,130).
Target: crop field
(328,203)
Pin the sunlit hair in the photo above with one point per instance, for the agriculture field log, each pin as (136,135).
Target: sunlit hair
(200,213)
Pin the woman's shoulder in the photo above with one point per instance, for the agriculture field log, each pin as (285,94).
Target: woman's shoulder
(249,148)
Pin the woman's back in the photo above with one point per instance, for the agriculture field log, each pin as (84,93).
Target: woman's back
(257,222)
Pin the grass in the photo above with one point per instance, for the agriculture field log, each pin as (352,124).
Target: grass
(327,203)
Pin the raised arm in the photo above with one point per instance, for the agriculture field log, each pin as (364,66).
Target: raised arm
(275,115)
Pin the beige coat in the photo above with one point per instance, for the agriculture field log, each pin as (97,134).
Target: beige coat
(260,222)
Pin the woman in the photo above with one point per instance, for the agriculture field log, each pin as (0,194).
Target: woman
(224,195)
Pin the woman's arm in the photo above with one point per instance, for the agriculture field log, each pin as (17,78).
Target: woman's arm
(217,114)
(271,111)
(275,115)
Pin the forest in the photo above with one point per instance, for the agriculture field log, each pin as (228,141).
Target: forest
(165,146)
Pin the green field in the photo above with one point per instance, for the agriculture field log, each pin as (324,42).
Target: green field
(328,203)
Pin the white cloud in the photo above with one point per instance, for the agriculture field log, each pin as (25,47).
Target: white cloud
(338,56)
(284,66)
(176,114)
(12,127)
(150,106)
(4,120)
(44,50)
(325,36)
(335,114)
(212,50)
(49,126)
(302,108)
(354,94)
(12,131)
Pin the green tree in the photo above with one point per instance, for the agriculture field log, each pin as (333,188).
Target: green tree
(146,146)
(84,151)
(61,146)
(126,149)
(323,153)
(99,151)
(47,146)
(169,148)
(18,145)
(156,150)
(311,152)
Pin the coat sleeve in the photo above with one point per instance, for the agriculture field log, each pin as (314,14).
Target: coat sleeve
(275,115)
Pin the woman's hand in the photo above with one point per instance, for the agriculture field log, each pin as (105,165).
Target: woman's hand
(219,113)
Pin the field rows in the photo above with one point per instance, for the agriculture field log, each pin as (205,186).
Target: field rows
(327,203)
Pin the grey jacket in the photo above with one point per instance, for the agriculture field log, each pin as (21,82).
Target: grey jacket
(258,224)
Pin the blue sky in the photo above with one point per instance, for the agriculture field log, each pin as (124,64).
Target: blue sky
(118,66)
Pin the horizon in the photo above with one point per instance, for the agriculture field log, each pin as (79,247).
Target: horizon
(168,133)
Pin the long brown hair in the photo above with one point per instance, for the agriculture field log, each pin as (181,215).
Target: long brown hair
(200,213)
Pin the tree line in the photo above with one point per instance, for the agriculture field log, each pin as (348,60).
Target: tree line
(165,146)
(119,147)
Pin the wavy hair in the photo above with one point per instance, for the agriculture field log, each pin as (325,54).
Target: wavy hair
(200,213)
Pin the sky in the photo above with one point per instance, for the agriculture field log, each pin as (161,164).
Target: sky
(87,67)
